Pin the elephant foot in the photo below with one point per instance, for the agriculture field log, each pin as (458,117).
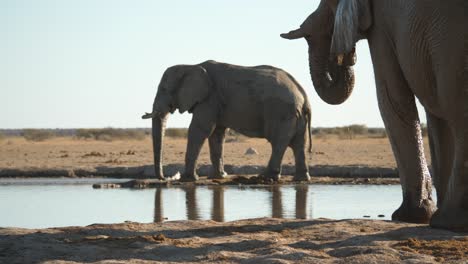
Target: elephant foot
(270,177)
(159,175)
(455,219)
(298,177)
(189,178)
(412,213)
(217,175)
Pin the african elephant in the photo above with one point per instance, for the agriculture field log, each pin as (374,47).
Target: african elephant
(418,49)
(261,101)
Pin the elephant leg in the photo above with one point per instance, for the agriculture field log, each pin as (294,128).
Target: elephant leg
(453,211)
(297,144)
(398,109)
(216,142)
(279,143)
(197,134)
(442,150)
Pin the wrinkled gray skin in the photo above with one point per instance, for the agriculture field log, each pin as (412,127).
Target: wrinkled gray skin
(260,101)
(418,49)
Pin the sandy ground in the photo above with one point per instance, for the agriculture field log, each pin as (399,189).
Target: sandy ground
(263,240)
(67,153)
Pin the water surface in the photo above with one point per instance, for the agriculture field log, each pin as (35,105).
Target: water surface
(55,204)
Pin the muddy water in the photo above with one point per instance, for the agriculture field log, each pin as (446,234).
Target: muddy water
(56,203)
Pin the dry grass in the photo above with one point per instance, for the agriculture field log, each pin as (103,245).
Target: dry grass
(66,152)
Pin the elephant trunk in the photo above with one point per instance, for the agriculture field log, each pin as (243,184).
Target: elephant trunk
(159,126)
(333,80)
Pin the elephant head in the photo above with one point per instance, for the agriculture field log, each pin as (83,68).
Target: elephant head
(182,87)
(331,33)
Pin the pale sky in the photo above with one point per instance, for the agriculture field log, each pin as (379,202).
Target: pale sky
(97,63)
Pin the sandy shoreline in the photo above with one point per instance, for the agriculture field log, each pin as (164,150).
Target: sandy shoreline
(264,240)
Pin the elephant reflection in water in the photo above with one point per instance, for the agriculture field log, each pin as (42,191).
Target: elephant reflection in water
(217,209)
(190,205)
(192,213)
(301,201)
(158,206)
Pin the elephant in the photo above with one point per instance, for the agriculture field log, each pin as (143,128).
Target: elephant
(418,50)
(261,101)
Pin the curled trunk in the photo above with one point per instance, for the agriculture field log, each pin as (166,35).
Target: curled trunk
(333,83)
(159,125)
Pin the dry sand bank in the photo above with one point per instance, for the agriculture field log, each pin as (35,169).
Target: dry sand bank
(331,156)
(263,240)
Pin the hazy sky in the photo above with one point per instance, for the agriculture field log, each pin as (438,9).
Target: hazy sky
(97,63)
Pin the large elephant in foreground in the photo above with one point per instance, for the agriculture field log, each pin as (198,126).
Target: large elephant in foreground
(418,49)
(260,101)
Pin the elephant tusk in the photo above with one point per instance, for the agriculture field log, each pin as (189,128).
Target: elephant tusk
(147,116)
(293,34)
(339,59)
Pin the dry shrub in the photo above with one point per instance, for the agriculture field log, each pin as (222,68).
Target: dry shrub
(233,136)
(109,134)
(37,134)
(176,132)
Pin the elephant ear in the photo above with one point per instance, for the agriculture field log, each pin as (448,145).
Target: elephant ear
(351,18)
(194,88)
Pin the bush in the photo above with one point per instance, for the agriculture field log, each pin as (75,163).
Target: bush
(109,134)
(37,134)
(233,136)
(176,132)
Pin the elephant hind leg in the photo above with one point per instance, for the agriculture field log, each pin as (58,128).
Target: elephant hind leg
(442,152)
(453,212)
(280,136)
(216,143)
(297,145)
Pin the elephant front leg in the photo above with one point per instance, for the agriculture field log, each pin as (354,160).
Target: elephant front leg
(216,142)
(399,113)
(197,135)
(398,110)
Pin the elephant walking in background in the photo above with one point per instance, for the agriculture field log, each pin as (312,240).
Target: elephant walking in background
(418,48)
(261,101)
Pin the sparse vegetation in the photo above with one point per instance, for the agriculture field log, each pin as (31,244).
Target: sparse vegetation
(176,132)
(109,134)
(37,134)
(233,136)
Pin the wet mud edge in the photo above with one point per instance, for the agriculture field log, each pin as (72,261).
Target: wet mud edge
(147,171)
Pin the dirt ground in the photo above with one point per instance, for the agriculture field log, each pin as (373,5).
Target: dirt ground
(265,240)
(68,153)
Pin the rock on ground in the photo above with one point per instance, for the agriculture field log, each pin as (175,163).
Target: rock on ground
(264,240)
(251,151)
